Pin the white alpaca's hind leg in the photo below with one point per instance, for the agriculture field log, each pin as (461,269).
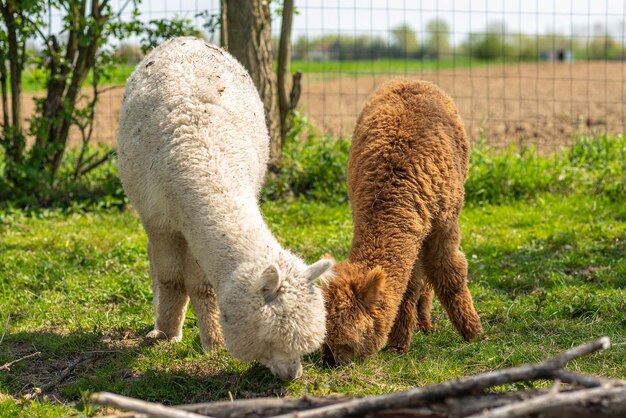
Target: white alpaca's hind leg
(204,304)
(166,252)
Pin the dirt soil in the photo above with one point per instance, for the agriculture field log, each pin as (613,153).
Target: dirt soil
(541,104)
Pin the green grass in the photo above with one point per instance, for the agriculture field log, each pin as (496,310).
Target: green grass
(545,237)
(546,274)
(33,79)
(330,70)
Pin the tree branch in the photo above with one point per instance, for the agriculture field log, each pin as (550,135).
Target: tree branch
(60,377)
(7,366)
(574,402)
(282,72)
(468,385)
(152,409)
(97,163)
(258,407)
(603,398)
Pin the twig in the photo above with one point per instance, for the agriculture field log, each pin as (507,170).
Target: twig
(7,366)
(61,377)
(468,385)
(109,88)
(152,409)
(451,398)
(6,326)
(582,379)
(559,361)
(258,407)
(96,163)
(555,401)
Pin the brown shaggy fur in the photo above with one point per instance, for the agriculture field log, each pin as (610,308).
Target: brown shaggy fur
(408,163)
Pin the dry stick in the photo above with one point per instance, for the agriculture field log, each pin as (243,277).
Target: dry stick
(62,376)
(473,404)
(583,380)
(7,366)
(126,415)
(152,409)
(471,384)
(258,407)
(267,407)
(6,326)
(556,401)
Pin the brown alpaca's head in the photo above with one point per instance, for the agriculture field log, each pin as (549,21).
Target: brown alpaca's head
(354,299)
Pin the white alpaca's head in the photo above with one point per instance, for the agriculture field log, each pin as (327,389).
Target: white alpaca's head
(277,319)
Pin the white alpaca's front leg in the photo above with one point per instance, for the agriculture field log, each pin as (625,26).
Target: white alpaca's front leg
(204,305)
(166,252)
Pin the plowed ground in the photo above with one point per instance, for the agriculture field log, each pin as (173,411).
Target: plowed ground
(541,104)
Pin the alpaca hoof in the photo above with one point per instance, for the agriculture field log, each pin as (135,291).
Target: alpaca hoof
(212,344)
(472,333)
(398,349)
(156,334)
(425,327)
(399,344)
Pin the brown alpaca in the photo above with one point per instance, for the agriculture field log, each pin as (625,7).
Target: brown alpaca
(408,163)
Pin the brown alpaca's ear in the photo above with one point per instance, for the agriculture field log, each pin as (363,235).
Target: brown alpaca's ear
(372,289)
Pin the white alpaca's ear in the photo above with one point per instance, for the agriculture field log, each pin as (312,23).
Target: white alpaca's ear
(270,282)
(317,269)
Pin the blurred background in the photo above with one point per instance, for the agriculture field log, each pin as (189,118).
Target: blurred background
(538,74)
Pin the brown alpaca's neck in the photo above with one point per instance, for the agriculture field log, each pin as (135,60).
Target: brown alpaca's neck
(392,250)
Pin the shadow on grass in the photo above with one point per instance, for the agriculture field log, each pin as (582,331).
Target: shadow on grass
(546,264)
(74,364)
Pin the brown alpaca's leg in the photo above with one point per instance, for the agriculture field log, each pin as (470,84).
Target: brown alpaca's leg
(166,252)
(424,300)
(399,338)
(446,269)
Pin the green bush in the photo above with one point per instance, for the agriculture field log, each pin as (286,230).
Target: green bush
(499,176)
(313,166)
(600,165)
(99,188)
(590,165)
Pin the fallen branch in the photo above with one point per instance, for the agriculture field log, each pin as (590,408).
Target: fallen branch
(127,415)
(259,407)
(568,404)
(454,398)
(36,391)
(452,388)
(152,409)
(6,326)
(7,366)
(581,379)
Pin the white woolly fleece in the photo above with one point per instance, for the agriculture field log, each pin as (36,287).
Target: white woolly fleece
(193,148)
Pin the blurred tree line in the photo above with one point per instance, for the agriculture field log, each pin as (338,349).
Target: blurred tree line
(75,60)
(495,42)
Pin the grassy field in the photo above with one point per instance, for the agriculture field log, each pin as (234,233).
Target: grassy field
(545,275)
(546,244)
(33,80)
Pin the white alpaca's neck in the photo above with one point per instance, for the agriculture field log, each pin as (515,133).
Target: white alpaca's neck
(230,237)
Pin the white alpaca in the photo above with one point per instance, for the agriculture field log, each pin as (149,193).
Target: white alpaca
(193,147)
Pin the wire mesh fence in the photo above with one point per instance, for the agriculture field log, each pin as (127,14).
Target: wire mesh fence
(530,73)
